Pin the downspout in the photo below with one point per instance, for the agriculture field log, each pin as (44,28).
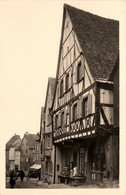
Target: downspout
(54,166)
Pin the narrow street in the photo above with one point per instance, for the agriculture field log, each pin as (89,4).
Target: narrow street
(34,183)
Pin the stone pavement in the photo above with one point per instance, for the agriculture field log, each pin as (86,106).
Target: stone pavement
(35,183)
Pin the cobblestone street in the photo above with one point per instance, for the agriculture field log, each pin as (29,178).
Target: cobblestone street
(34,183)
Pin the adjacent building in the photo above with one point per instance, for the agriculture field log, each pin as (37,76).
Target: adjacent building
(83,103)
(13,154)
(47,133)
(30,151)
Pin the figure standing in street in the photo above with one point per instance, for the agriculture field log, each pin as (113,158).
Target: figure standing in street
(12,179)
(22,175)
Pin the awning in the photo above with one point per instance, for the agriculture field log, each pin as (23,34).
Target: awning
(35,166)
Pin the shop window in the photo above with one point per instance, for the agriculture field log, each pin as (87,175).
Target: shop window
(61,88)
(85,107)
(75,112)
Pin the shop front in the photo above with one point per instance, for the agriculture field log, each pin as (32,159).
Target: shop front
(71,163)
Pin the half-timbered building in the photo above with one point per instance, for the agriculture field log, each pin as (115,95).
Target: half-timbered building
(83,97)
(47,148)
(48,145)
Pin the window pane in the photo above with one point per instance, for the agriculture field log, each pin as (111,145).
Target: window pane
(85,107)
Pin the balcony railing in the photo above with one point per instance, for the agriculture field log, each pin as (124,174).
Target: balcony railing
(78,128)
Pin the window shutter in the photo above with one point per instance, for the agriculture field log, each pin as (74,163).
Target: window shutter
(89,104)
(54,122)
(75,74)
(82,67)
(64,84)
(72,113)
(58,91)
(79,108)
(69,79)
(59,119)
(64,122)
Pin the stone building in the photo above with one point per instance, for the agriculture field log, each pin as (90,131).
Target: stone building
(30,151)
(13,154)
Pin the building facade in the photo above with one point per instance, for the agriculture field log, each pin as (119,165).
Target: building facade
(46,131)
(83,103)
(30,151)
(13,154)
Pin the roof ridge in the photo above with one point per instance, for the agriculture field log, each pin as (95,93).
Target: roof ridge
(72,7)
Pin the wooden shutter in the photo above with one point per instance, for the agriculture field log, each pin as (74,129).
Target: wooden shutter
(64,122)
(82,67)
(69,79)
(54,122)
(64,84)
(60,119)
(79,108)
(75,74)
(72,113)
(58,91)
(89,103)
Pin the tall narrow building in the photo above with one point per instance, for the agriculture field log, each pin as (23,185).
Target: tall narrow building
(83,105)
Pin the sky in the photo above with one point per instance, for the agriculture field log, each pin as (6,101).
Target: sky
(29,46)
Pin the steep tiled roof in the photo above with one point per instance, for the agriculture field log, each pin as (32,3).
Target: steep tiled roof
(15,141)
(114,69)
(31,139)
(51,84)
(99,40)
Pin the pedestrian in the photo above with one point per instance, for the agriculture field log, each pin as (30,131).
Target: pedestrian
(12,179)
(22,175)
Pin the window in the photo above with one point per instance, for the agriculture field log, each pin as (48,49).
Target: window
(43,125)
(56,122)
(85,107)
(75,112)
(61,88)
(67,82)
(48,141)
(67,119)
(62,118)
(80,72)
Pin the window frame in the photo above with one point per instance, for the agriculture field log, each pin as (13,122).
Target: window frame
(61,88)
(79,69)
(67,82)
(85,107)
(75,112)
